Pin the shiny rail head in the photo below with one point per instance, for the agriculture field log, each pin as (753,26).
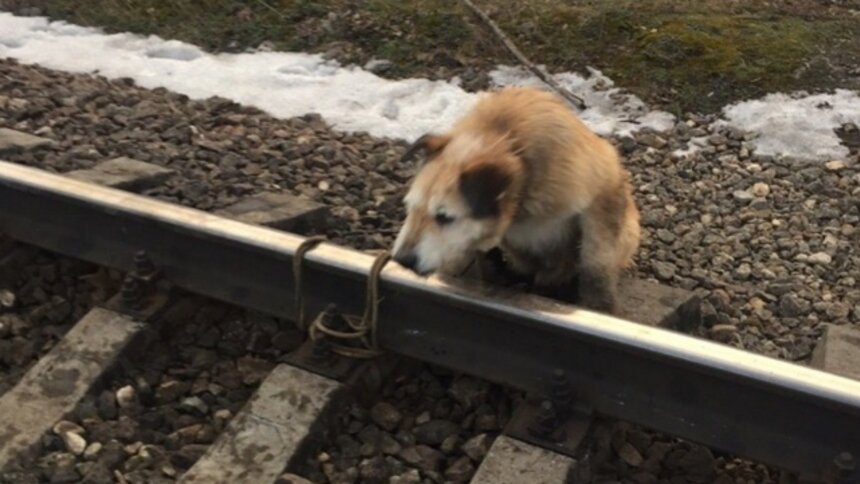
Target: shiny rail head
(525,309)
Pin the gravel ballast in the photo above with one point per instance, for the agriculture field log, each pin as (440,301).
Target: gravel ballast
(159,412)
(41,297)
(771,244)
(222,151)
(427,425)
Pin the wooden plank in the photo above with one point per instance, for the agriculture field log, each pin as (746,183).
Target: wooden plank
(125,174)
(656,304)
(280,211)
(274,428)
(12,141)
(512,461)
(57,382)
(838,351)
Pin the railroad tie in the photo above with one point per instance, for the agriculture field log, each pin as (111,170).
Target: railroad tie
(59,380)
(512,461)
(279,425)
(124,173)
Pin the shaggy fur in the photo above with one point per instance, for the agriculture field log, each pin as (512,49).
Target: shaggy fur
(521,172)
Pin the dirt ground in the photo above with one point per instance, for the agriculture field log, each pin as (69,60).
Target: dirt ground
(684,56)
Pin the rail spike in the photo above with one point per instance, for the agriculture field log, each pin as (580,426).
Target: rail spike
(560,392)
(846,468)
(143,265)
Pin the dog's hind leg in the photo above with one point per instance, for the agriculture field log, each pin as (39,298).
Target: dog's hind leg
(606,235)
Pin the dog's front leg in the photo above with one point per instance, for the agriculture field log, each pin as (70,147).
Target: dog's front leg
(600,253)
(597,289)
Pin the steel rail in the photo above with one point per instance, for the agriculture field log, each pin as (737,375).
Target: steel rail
(768,410)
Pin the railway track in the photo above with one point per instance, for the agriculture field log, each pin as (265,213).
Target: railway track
(573,365)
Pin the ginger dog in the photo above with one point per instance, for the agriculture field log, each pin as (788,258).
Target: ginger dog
(521,172)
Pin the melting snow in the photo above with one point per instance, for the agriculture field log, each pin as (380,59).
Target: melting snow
(799,125)
(694,145)
(353,99)
(292,84)
(609,109)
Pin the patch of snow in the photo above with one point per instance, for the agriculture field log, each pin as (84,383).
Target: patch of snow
(798,125)
(292,84)
(175,50)
(609,110)
(377,65)
(9,41)
(693,146)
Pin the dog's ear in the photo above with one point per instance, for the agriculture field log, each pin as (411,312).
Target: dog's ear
(483,187)
(430,143)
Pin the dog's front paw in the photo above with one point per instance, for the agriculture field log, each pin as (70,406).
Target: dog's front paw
(603,302)
(597,293)
(565,292)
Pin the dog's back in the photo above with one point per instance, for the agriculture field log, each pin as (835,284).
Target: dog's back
(577,215)
(567,165)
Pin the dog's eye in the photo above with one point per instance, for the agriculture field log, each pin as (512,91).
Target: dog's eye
(443,218)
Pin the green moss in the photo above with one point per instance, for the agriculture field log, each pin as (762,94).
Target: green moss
(710,59)
(687,61)
(212,24)
(410,33)
(613,23)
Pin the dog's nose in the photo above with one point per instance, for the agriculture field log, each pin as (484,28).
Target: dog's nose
(408,260)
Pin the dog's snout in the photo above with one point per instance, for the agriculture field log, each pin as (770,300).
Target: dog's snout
(407,259)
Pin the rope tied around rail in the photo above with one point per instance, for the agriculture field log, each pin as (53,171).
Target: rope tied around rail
(307,245)
(361,330)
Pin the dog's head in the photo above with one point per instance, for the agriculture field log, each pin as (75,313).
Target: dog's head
(461,201)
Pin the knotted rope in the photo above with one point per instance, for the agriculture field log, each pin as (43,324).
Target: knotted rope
(352,328)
